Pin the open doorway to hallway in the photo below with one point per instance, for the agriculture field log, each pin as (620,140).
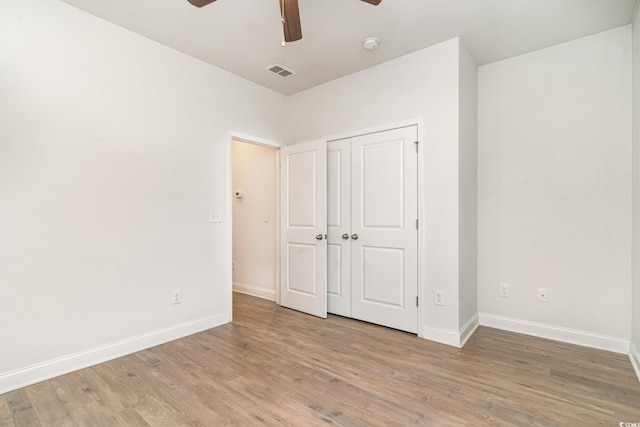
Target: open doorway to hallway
(255,219)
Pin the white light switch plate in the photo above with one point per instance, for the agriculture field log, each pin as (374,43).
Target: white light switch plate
(215,217)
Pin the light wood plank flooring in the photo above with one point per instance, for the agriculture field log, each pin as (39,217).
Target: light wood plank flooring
(275,366)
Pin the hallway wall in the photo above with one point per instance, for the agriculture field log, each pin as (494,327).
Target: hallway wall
(254,219)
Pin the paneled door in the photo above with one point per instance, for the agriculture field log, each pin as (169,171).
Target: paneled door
(339,227)
(384,235)
(303,257)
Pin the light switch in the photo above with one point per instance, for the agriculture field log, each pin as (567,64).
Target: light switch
(215,217)
(265,216)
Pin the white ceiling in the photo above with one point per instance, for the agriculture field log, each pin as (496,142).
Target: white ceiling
(244,36)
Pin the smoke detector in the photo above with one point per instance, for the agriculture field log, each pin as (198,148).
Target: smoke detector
(370,43)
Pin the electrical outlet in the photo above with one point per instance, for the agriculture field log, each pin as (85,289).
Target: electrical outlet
(177,296)
(504,290)
(543,295)
(438,297)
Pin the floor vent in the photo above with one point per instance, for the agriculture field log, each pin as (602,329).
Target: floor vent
(280,70)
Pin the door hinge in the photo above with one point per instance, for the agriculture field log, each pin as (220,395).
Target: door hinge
(417,302)
(416,223)
(417,143)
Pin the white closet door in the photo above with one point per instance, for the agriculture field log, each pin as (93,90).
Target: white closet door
(303,169)
(339,227)
(384,234)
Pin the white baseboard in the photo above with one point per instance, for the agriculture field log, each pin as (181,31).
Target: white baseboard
(441,336)
(468,329)
(243,288)
(634,356)
(572,336)
(452,338)
(43,371)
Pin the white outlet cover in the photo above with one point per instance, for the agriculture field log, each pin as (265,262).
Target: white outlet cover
(438,297)
(215,217)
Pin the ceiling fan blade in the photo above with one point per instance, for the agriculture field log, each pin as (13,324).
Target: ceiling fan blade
(291,13)
(373,2)
(200,3)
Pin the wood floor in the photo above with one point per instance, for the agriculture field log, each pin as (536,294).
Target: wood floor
(275,366)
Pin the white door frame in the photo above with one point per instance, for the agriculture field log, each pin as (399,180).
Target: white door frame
(250,139)
(419,122)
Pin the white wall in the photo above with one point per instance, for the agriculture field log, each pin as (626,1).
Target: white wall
(554,189)
(254,239)
(113,152)
(468,187)
(422,84)
(635,337)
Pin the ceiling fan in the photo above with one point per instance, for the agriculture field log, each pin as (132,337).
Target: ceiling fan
(290,16)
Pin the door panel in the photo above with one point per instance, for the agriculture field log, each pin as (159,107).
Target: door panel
(382,186)
(335,183)
(334,272)
(384,212)
(383,276)
(338,224)
(303,217)
(301,280)
(301,192)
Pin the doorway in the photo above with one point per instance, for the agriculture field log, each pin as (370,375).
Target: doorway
(255,213)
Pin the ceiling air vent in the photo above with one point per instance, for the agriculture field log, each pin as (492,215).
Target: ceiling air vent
(280,70)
